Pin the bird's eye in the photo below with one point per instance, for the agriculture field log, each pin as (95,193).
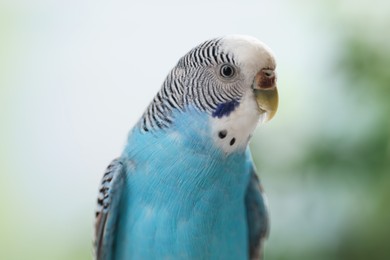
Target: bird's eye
(227,71)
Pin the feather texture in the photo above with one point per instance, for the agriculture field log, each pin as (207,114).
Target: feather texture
(185,185)
(107,212)
(192,81)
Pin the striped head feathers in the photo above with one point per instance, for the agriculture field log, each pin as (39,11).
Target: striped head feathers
(231,78)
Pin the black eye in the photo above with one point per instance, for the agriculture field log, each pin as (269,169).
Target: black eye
(227,71)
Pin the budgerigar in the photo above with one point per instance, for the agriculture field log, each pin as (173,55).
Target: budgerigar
(185,186)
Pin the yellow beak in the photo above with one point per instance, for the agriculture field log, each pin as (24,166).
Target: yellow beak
(266,94)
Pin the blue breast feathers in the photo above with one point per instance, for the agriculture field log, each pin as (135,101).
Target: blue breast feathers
(184,197)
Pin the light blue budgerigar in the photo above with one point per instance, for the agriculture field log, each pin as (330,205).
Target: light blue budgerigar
(185,186)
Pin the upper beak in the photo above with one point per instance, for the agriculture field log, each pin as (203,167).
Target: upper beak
(266,93)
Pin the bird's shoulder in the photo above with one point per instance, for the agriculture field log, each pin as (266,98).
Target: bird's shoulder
(257,215)
(110,192)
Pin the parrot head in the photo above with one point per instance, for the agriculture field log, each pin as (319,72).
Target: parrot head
(254,72)
(232,79)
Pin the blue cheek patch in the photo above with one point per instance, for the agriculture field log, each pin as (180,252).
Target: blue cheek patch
(225,109)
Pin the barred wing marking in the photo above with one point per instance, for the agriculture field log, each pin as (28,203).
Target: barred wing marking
(110,193)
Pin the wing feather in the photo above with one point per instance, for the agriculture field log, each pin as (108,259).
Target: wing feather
(257,216)
(110,193)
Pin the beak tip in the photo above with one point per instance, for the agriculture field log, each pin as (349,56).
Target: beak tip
(267,101)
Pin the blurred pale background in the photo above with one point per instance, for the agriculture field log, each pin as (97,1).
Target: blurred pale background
(76,75)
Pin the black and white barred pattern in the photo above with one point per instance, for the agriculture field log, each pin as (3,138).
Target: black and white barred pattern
(192,81)
(104,200)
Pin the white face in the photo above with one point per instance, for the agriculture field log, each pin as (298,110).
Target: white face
(251,54)
(233,132)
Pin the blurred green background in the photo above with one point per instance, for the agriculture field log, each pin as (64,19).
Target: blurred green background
(75,75)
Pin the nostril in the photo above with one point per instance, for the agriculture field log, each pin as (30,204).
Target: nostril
(268,73)
(265,78)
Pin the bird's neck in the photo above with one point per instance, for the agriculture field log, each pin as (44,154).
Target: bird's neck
(186,152)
